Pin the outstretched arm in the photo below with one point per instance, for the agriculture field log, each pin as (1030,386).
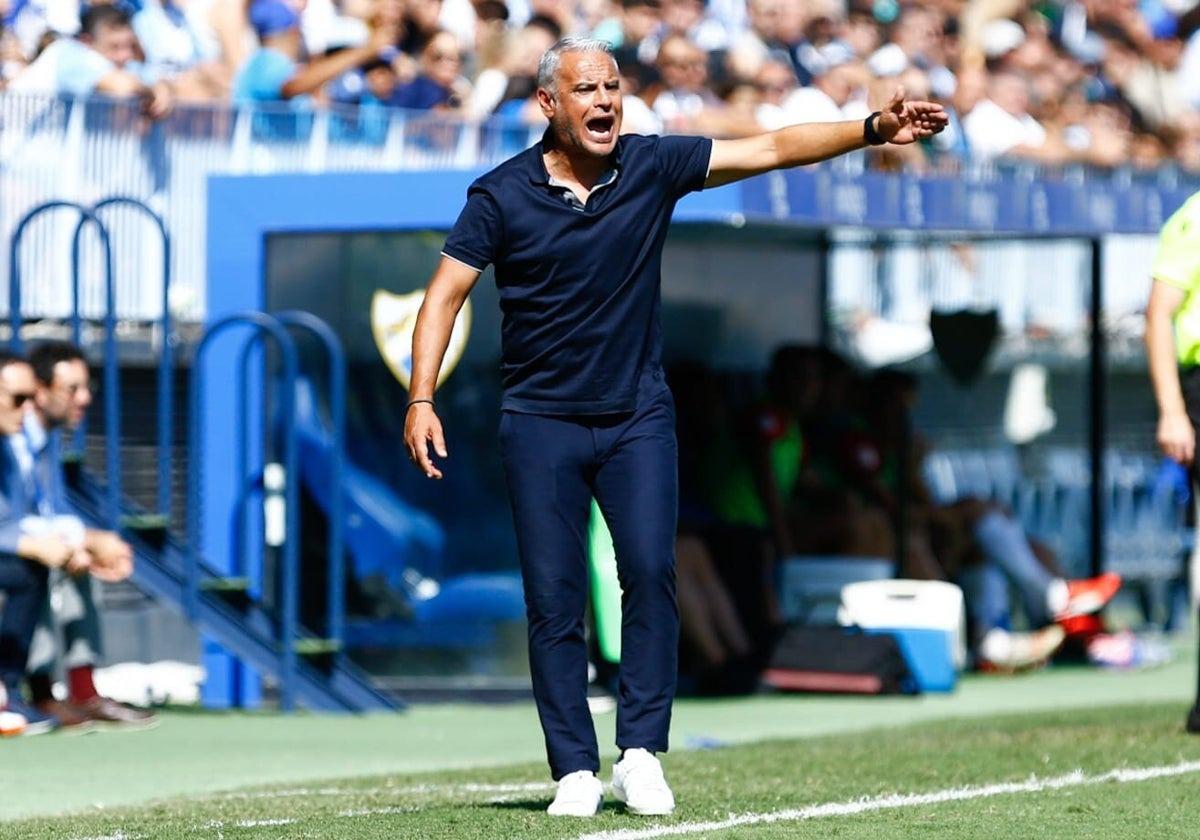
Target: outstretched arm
(447,292)
(901,122)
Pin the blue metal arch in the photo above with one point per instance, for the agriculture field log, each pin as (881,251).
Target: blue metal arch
(262,324)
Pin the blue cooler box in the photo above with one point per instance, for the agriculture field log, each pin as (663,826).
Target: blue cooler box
(929,654)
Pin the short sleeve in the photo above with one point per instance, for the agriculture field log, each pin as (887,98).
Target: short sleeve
(265,74)
(1177,261)
(684,162)
(475,237)
(81,68)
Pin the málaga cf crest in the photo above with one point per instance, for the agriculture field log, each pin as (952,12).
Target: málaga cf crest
(393,319)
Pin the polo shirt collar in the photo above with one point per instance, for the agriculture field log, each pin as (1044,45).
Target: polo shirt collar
(537,166)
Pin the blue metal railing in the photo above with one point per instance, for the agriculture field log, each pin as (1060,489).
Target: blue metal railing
(336,357)
(165,366)
(112,395)
(263,325)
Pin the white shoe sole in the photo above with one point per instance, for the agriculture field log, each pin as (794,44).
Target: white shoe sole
(619,795)
(580,814)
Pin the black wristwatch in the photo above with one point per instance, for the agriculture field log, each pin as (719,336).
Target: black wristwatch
(869,133)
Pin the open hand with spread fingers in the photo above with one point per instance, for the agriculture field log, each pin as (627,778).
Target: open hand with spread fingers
(902,122)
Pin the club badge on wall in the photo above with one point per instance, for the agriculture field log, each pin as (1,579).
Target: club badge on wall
(393,319)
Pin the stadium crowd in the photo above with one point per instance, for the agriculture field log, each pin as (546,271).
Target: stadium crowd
(1099,82)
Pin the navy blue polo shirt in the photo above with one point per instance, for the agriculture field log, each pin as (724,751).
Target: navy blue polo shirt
(579,283)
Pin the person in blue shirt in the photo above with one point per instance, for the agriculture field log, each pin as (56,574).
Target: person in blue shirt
(575,227)
(102,60)
(27,553)
(62,396)
(276,71)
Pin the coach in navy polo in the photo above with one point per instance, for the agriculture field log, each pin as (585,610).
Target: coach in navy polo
(574,227)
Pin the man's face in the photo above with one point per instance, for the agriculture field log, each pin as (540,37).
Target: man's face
(381,82)
(65,401)
(681,65)
(681,15)
(17,388)
(1011,93)
(639,22)
(585,111)
(775,81)
(116,43)
(441,60)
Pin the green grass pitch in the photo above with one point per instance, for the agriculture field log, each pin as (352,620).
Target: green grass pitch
(758,778)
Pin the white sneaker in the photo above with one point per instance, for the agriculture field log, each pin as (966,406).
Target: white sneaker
(638,782)
(579,795)
(1006,652)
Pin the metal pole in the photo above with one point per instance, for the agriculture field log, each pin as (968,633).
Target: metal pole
(14,252)
(1097,406)
(824,247)
(291,548)
(112,379)
(165,362)
(336,356)
(263,323)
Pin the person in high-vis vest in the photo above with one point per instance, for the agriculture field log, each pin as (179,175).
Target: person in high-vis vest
(1173,347)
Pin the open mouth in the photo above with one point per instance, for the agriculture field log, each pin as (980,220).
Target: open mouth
(600,129)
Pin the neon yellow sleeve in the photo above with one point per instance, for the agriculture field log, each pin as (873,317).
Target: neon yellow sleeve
(1177,261)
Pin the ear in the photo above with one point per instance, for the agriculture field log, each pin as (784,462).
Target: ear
(548,102)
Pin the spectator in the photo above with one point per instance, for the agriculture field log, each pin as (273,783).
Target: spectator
(634,46)
(682,96)
(1000,124)
(25,558)
(835,94)
(61,400)
(275,71)
(689,19)
(775,82)
(518,97)
(101,60)
(438,86)
(173,50)
(1070,82)
(422,20)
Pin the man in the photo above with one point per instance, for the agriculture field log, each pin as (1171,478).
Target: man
(26,555)
(1173,346)
(276,70)
(575,228)
(102,60)
(62,398)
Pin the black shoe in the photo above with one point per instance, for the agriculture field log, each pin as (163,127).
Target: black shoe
(1193,721)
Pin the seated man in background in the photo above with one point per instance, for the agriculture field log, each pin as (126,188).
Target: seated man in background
(977,543)
(62,397)
(25,558)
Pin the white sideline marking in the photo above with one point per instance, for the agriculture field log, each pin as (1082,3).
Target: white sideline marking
(906,800)
(512,787)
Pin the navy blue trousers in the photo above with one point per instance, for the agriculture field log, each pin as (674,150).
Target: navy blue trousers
(629,463)
(24,584)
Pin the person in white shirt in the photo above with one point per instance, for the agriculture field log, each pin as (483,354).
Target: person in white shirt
(833,96)
(1001,125)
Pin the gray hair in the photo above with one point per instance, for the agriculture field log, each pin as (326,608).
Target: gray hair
(547,76)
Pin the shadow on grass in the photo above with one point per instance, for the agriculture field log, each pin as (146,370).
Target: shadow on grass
(609,808)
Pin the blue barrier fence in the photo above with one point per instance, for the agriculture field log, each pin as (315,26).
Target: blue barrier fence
(284,394)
